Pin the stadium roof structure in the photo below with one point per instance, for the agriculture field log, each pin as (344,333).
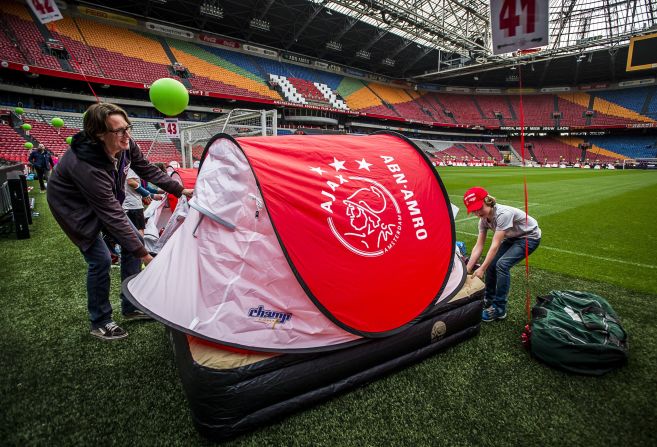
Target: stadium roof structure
(440,41)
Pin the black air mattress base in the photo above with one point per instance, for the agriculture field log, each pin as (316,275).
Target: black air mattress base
(232,393)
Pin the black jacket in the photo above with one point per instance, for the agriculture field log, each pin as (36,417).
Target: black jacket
(41,160)
(87,188)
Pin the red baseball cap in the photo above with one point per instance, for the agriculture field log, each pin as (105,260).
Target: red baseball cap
(474,198)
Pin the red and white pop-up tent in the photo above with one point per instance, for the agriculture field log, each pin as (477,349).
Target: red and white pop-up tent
(165,214)
(301,243)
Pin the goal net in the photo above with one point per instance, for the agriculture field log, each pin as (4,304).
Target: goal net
(238,123)
(640,163)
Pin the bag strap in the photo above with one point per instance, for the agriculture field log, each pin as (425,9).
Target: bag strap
(597,309)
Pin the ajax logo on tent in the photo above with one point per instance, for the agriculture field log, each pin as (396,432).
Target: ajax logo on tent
(362,213)
(374,220)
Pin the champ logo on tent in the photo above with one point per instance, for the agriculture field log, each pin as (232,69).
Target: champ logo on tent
(364,221)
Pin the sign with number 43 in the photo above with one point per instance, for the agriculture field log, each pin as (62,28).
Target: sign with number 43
(171,127)
(518,24)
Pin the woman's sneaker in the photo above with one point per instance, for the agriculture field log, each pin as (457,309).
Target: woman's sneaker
(110,331)
(491,314)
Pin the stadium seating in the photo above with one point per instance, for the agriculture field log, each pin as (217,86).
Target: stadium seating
(612,113)
(537,109)
(209,73)
(632,98)
(82,59)
(593,153)
(361,98)
(161,152)
(431,106)
(105,50)
(331,97)
(554,151)
(463,108)
(454,152)
(475,151)
(308,90)
(9,50)
(628,146)
(572,108)
(20,22)
(494,152)
(12,145)
(124,54)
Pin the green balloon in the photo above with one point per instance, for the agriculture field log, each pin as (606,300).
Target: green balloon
(68,140)
(26,126)
(28,145)
(169,96)
(57,122)
(19,110)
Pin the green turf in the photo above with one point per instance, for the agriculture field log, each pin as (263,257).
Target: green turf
(61,387)
(596,224)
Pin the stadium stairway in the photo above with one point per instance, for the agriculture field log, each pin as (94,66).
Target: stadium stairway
(82,58)
(440,107)
(172,58)
(47,35)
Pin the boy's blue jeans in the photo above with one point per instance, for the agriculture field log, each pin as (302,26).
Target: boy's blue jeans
(99,262)
(498,275)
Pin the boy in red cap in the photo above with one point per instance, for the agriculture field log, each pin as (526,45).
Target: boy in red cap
(511,232)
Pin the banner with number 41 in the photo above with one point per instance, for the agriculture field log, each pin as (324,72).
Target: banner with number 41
(518,24)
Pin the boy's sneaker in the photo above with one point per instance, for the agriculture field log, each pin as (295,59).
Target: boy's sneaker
(111,331)
(491,313)
(136,315)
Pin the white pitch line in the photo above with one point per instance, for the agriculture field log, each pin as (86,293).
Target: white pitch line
(466,219)
(586,255)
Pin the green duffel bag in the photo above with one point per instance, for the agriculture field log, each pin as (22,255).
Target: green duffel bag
(578,332)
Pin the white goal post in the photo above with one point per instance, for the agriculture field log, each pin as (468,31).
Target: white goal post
(238,123)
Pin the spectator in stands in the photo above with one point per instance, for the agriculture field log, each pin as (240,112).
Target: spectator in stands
(42,163)
(136,196)
(85,194)
(513,229)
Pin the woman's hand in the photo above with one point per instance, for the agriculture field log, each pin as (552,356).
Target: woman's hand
(188,193)
(147,259)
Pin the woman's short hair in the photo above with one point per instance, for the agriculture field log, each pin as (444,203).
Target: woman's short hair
(490,201)
(95,118)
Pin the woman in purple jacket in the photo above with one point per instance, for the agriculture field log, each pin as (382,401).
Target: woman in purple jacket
(85,194)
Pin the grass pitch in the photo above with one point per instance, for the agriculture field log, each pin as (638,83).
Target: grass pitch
(61,387)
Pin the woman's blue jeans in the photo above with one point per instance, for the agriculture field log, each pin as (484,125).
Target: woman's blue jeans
(99,262)
(498,275)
